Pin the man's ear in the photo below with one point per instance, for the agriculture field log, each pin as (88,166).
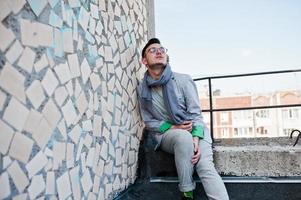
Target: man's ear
(144,61)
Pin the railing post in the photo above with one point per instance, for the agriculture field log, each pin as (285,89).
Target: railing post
(210,108)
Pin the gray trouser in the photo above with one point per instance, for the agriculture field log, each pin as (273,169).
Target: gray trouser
(179,143)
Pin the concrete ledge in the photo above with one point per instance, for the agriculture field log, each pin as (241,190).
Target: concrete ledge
(272,157)
(258,157)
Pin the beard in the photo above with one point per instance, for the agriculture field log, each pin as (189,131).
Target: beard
(157,66)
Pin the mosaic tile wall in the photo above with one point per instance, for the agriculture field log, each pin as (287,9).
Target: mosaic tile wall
(70,126)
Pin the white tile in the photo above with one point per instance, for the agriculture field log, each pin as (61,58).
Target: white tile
(18,176)
(35,94)
(75,30)
(49,82)
(99,27)
(83,18)
(88,141)
(92,196)
(111,149)
(96,184)
(70,17)
(108,54)
(60,95)
(49,55)
(69,112)
(50,183)
(74,3)
(41,64)
(59,154)
(83,161)
(6,37)
(113,43)
(58,43)
(44,34)
(70,155)
(96,102)
(68,40)
(92,25)
(14,52)
(118,157)
(95,81)
(48,152)
(36,187)
(100,168)
(75,183)
(86,182)
(6,162)
(63,72)
(102,5)
(36,164)
(28,34)
(85,70)
(17,5)
(6,137)
(5,187)
(75,134)
(17,121)
(90,157)
(108,189)
(51,113)
(104,151)
(3,97)
(21,197)
(94,11)
(32,121)
(107,118)
(87,125)
(117,11)
(21,147)
(96,157)
(5,9)
(63,186)
(79,149)
(49,165)
(27,59)
(37,6)
(116,184)
(80,43)
(42,133)
(82,103)
(78,89)
(13,82)
(62,128)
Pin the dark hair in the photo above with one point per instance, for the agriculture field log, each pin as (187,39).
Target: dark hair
(150,42)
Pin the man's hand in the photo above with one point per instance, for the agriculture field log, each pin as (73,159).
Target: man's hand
(196,150)
(187,125)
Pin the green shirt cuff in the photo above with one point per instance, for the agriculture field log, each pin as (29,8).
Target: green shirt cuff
(165,126)
(198,131)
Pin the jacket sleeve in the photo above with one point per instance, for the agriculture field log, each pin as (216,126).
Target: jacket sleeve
(193,107)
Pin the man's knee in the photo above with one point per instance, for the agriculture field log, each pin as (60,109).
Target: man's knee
(184,142)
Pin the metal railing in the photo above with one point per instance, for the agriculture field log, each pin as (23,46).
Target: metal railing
(211,110)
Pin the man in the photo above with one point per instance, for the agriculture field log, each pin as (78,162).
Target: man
(170,109)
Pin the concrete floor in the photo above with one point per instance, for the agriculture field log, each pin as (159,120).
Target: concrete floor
(237,191)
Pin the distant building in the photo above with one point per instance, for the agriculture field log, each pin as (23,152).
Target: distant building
(275,122)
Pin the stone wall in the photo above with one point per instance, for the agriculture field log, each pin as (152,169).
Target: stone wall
(70,126)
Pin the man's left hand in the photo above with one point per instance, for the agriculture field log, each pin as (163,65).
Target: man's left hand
(196,150)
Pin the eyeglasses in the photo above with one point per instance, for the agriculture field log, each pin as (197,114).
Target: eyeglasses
(154,50)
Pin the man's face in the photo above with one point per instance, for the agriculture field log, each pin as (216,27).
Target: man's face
(155,59)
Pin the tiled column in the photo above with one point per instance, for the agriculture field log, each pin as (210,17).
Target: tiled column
(70,125)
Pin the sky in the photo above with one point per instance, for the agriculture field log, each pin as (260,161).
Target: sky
(221,37)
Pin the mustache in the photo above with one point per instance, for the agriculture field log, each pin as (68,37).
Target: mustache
(156,66)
